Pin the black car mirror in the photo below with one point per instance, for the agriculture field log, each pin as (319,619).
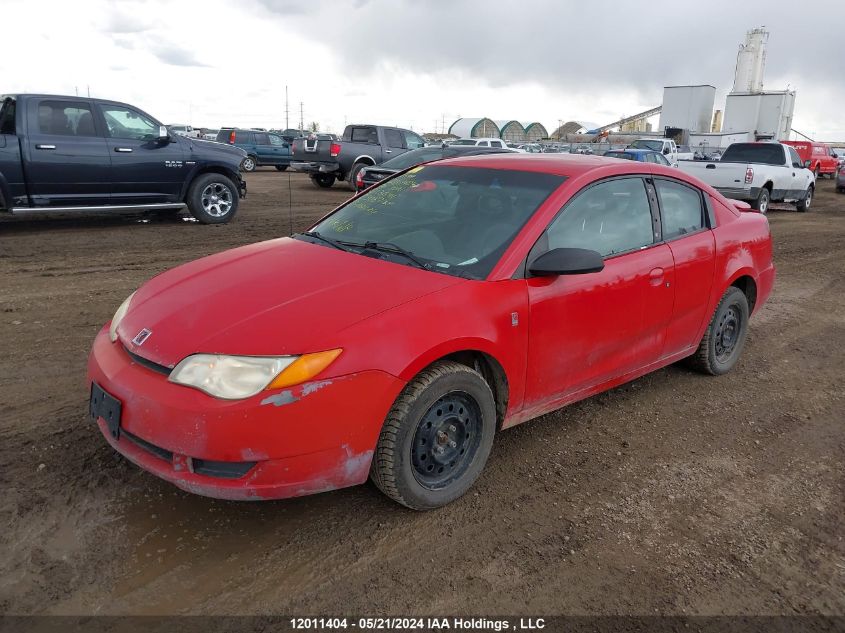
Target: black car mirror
(566,261)
(163,134)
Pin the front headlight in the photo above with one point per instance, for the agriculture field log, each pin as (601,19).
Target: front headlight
(118,317)
(238,377)
(229,377)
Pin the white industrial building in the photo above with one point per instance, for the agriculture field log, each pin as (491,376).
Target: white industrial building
(687,107)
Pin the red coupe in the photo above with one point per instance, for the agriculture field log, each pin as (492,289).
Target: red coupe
(395,338)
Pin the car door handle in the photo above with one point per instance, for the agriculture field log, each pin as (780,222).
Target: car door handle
(388,151)
(655,277)
(124,150)
(710,166)
(45,147)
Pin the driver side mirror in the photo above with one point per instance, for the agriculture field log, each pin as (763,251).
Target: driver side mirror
(566,261)
(665,150)
(163,134)
(807,164)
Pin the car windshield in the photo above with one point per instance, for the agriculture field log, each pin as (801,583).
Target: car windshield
(453,220)
(464,141)
(647,144)
(414,157)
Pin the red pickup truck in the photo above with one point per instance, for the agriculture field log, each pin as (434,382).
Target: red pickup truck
(822,159)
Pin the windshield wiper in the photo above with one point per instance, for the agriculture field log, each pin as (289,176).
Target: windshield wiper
(390,247)
(330,242)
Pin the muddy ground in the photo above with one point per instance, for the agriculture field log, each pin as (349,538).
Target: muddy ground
(677,493)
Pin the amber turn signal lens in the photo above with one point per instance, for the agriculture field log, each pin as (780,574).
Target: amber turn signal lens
(304,368)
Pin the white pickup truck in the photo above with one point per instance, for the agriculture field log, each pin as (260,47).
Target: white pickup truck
(665,146)
(758,173)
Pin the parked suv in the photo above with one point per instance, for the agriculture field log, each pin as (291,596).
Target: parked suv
(262,148)
(66,154)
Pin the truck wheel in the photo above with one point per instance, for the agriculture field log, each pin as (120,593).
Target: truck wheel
(281,167)
(323,181)
(804,204)
(436,438)
(249,163)
(213,199)
(724,338)
(353,175)
(816,172)
(762,201)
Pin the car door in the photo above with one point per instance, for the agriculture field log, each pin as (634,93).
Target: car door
(413,141)
(145,169)
(588,329)
(394,143)
(67,160)
(799,177)
(686,229)
(263,149)
(281,150)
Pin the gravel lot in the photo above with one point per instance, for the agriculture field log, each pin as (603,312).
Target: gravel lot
(676,493)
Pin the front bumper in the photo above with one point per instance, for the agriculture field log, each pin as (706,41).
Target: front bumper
(315,167)
(310,438)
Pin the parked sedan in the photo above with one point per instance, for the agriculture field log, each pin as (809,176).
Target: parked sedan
(370,176)
(396,338)
(641,155)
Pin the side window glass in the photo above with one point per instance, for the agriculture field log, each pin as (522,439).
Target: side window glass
(65,118)
(364,135)
(412,141)
(661,160)
(795,158)
(393,138)
(262,138)
(611,217)
(129,124)
(276,141)
(680,209)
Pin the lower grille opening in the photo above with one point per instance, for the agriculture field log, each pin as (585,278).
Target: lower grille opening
(223,470)
(158,451)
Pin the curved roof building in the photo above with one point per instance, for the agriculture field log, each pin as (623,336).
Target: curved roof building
(535,131)
(511,131)
(474,128)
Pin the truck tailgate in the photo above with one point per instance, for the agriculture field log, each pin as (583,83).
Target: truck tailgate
(309,150)
(726,177)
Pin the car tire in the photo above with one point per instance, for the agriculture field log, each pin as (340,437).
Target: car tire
(722,343)
(249,164)
(816,172)
(324,181)
(213,199)
(281,167)
(804,204)
(353,174)
(436,438)
(761,204)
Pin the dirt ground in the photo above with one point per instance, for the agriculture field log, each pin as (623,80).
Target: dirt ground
(674,494)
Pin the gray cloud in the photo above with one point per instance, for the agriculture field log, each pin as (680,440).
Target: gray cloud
(127,17)
(172,54)
(586,48)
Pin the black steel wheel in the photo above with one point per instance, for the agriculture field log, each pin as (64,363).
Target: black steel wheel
(724,339)
(446,440)
(324,181)
(436,437)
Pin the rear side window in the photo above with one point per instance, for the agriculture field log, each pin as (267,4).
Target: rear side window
(244,137)
(681,210)
(610,217)
(795,158)
(262,139)
(65,118)
(363,135)
(765,153)
(7,117)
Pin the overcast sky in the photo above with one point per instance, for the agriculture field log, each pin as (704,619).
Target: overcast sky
(416,63)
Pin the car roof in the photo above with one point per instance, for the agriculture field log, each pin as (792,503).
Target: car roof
(634,150)
(570,165)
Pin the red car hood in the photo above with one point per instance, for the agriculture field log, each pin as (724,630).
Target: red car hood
(279,297)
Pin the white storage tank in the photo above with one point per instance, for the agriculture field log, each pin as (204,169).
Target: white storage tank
(766,115)
(687,107)
(751,62)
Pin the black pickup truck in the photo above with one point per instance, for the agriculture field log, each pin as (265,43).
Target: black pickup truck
(72,154)
(361,146)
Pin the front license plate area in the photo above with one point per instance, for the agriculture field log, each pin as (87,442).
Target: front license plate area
(104,405)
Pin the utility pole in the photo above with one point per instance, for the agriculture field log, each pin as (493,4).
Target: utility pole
(89,91)
(301,118)
(287,109)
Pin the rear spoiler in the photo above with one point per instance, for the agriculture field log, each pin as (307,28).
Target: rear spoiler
(741,205)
